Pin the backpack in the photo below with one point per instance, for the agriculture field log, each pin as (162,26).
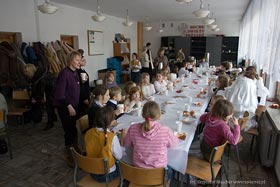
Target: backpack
(3,146)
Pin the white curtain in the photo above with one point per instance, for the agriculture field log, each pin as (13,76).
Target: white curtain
(259,38)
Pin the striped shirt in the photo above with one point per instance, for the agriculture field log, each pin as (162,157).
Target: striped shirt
(150,147)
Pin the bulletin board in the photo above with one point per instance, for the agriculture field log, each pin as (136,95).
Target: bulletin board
(95,43)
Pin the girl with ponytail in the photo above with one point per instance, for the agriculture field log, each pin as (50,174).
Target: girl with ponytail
(101,143)
(150,139)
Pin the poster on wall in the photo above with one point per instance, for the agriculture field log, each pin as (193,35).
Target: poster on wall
(95,43)
(195,31)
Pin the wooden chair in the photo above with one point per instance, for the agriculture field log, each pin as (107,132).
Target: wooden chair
(93,166)
(142,176)
(4,132)
(206,170)
(242,123)
(18,107)
(82,125)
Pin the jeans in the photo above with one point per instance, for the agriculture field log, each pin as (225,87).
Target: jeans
(102,177)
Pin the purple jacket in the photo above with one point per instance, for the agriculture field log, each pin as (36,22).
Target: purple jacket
(67,89)
(217,130)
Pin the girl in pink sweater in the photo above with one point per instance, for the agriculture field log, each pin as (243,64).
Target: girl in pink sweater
(150,139)
(216,129)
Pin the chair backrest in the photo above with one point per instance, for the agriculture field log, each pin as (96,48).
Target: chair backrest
(20,95)
(89,164)
(243,121)
(142,176)
(259,112)
(82,125)
(217,153)
(2,115)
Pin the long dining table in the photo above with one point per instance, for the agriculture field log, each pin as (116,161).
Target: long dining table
(172,105)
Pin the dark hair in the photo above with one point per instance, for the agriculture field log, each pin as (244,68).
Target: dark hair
(250,72)
(107,75)
(151,111)
(105,117)
(148,44)
(222,108)
(135,55)
(81,51)
(226,65)
(99,90)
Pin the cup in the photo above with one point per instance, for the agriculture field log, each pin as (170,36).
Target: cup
(180,115)
(152,98)
(138,104)
(166,92)
(139,112)
(187,107)
(189,99)
(179,125)
(121,108)
(83,76)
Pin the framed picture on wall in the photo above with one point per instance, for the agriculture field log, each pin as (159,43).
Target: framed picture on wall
(95,43)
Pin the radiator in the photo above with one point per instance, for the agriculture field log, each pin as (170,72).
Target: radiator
(267,141)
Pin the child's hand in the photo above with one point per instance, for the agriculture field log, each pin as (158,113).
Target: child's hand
(234,120)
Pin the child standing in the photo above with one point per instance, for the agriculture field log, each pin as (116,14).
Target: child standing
(150,135)
(109,80)
(101,143)
(135,66)
(115,97)
(100,98)
(147,88)
(216,129)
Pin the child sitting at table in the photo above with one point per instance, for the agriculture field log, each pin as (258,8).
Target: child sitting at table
(216,129)
(150,139)
(135,97)
(219,87)
(101,143)
(99,99)
(160,84)
(109,79)
(183,72)
(115,97)
(147,88)
(127,87)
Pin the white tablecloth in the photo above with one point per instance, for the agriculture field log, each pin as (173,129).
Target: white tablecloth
(177,156)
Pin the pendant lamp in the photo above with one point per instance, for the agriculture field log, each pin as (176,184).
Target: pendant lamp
(201,13)
(147,27)
(98,17)
(127,23)
(47,7)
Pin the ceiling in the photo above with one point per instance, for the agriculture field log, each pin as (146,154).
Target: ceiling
(164,10)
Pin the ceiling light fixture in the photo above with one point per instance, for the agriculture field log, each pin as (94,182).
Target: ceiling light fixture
(160,30)
(208,20)
(147,27)
(47,7)
(216,29)
(201,13)
(127,23)
(98,17)
(212,26)
(184,1)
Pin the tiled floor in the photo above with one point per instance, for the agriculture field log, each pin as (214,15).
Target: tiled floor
(38,161)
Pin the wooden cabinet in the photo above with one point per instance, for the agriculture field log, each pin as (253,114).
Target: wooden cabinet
(122,49)
(10,37)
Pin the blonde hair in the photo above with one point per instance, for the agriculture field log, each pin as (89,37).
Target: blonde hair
(71,56)
(151,112)
(133,90)
(29,70)
(114,91)
(143,75)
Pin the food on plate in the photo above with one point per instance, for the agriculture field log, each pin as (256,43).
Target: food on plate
(186,113)
(274,105)
(205,89)
(199,95)
(179,91)
(192,113)
(181,136)
(195,81)
(203,92)
(199,103)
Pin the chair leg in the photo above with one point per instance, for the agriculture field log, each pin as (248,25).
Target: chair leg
(10,147)
(225,171)
(252,143)
(237,154)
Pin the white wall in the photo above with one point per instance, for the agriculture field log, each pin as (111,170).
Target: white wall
(22,16)
(227,28)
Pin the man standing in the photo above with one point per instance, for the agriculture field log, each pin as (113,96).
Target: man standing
(147,60)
